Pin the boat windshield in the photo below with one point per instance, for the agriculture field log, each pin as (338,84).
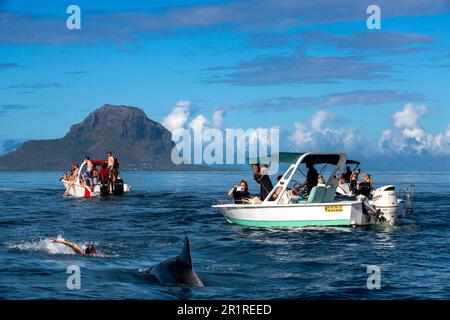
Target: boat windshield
(326,170)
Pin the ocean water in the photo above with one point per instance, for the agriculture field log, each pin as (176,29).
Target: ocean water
(147,226)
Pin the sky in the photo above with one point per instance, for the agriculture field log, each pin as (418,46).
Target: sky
(313,69)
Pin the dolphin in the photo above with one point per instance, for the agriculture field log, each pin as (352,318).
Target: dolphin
(178,270)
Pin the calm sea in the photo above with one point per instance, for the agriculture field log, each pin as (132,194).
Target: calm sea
(141,229)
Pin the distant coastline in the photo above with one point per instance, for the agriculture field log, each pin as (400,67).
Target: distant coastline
(137,141)
(181,168)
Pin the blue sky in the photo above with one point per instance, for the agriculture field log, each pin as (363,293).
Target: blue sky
(311,68)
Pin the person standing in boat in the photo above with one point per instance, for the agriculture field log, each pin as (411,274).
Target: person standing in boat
(110,164)
(263,180)
(312,177)
(354,180)
(240,192)
(104,173)
(347,175)
(365,187)
(116,169)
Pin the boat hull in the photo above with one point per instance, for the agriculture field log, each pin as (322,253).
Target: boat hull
(295,215)
(79,191)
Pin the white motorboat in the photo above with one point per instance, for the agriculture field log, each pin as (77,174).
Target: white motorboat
(323,206)
(80,190)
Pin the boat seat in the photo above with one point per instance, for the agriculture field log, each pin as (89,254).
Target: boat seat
(330,193)
(317,194)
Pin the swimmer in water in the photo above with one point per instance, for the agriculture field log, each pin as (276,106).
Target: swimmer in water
(90,249)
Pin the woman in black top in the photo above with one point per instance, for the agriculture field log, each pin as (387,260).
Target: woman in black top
(240,192)
(263,180)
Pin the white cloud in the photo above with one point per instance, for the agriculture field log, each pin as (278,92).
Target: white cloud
(199,123)
(217,119)
(319,119)
(317,135)
(409,116)
(178,117)
(408,137)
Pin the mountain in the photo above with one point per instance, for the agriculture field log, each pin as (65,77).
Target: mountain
(138,142)
(9,145)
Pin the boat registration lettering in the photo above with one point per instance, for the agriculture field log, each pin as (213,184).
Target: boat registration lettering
(334,208)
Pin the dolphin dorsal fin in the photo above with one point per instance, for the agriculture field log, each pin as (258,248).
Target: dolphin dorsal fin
(185,254)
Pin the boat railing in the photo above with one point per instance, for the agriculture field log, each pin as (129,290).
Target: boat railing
(407,196)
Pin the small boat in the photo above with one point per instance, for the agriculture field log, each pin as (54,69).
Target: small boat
(323,206)
(78,190)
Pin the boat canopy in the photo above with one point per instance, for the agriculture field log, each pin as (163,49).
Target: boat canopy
(283,157)
(94,162)
(98,162)
(292,157)
(337,160)
(353,162)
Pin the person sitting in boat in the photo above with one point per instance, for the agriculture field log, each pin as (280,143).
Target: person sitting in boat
(276,194)
(312,178)
(320,180)
(85,180)
(68,177)
(95,178)
(365,187)
(240,192)
(90,248)
(263,180)
(72,180)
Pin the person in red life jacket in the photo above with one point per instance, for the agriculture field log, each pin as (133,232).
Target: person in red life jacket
(104,173)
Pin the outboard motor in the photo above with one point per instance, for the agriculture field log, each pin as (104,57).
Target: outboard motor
(104,189)
(371,215)
(385,200)
(118,187)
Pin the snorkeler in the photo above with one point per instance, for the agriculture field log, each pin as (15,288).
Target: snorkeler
(90,249)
